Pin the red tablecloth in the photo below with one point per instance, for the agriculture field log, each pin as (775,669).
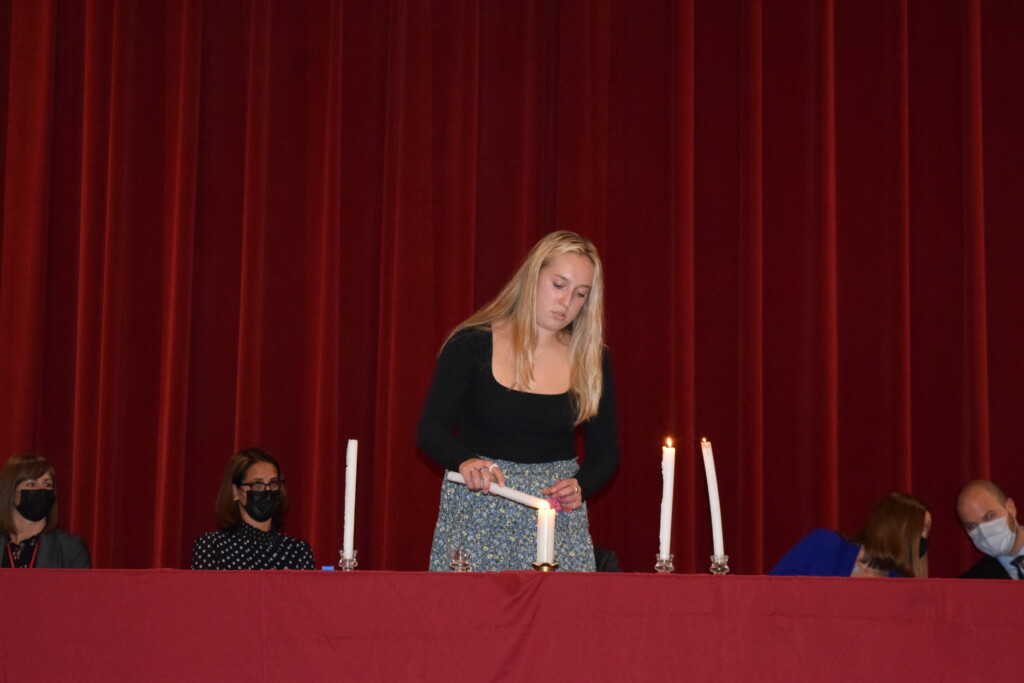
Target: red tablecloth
(280,626)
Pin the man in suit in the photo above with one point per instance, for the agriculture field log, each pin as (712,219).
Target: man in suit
(990,520)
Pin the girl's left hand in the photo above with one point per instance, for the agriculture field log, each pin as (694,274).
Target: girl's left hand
(568,494)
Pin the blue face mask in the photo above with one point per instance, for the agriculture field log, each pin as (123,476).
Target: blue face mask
(36,504)
(995,537)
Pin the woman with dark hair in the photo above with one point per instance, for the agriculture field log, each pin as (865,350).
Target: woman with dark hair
(512,385)
(28,519)
(251,505)
(894,542)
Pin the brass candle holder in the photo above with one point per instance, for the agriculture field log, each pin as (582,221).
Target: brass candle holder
(545,566)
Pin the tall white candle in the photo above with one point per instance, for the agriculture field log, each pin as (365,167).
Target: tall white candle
(545,536)
(351,457)
(668,475)
(716,507)
(550,547)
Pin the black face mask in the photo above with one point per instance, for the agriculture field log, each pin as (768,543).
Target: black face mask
(36,504)
(262,505)
(924,546)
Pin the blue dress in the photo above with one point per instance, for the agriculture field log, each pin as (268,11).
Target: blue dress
(819,553)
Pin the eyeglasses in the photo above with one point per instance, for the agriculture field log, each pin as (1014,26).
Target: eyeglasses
(272,485)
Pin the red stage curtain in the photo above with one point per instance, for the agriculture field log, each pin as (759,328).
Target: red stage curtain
(237,223)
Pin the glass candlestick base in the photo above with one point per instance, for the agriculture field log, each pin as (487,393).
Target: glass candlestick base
(663,564)
(719,565)
(545,566)
(460,561)
(347,564)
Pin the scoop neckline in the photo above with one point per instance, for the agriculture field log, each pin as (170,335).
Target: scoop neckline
(490,372)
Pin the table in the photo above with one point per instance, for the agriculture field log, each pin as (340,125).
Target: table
(281,626)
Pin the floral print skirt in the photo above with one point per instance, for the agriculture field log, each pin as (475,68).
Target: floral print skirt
(500,534)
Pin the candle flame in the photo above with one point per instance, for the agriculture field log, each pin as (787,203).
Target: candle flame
(704,439)
(668,441)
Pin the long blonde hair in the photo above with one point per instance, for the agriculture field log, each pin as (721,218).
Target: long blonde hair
(516,303)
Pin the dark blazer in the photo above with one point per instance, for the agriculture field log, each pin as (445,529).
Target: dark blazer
(987,567)
(59,550)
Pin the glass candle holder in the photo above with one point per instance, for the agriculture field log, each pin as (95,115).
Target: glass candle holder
(460,561)
(347,564)
(719,565)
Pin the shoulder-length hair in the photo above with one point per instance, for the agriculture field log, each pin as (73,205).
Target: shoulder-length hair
(17,469)
(516,304)
(892,535)
(228,516)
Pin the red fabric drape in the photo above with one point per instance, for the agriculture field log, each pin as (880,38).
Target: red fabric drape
(388,626)
(238,223)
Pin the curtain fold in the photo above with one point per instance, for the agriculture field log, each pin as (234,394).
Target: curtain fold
(681,311)
(256,123)
(181,120)
(976,330)
(254,222)
(27,139)
(749,420)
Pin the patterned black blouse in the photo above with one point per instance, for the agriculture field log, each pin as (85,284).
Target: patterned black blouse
(250,548)
(23,553)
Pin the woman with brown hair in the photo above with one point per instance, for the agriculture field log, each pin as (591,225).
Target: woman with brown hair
(894,542)
(251,505)
(512,384)
(28,519)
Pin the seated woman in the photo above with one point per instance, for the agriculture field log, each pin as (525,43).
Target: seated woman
(251,506)
(28,519)
(894,542)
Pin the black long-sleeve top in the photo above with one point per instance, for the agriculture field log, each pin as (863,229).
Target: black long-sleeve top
(497,422)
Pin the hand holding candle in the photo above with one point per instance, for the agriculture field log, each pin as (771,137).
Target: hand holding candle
(545,516)
(350,497)
(668,475)
(716,508)
(511,494)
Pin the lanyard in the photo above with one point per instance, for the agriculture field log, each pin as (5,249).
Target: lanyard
(32,562)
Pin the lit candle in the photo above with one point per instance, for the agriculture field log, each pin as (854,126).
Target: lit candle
(716,508)
(668,475)
(350,497)
(550,548)
(545,536)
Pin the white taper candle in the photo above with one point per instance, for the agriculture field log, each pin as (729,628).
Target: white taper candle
(716,507)
(545,536)
(511,494)
(668,476)
(351,456)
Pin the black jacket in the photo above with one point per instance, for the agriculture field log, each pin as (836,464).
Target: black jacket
(59,550)
(987,567)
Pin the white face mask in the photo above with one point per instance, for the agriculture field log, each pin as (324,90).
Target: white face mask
(994,537)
